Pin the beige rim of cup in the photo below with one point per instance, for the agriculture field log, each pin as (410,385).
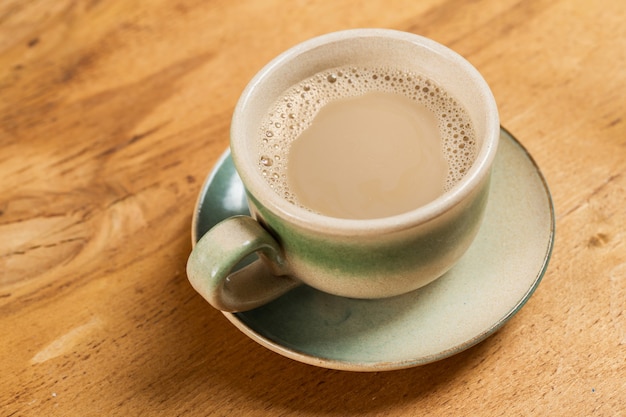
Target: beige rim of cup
(246,164)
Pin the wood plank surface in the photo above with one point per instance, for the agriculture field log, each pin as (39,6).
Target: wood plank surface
(113,112)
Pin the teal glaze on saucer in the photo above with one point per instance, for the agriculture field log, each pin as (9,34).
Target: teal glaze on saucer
(492,281)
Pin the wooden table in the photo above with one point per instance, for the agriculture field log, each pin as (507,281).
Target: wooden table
(113,112)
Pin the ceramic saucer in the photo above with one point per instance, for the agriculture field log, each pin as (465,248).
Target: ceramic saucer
(483,291)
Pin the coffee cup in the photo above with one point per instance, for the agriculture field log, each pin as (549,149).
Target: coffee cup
(381,208)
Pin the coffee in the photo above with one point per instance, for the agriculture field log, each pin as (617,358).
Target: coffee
(365,142)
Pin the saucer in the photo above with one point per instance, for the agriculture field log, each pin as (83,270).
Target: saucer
(490,283)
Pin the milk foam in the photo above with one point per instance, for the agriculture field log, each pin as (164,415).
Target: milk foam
(295,110)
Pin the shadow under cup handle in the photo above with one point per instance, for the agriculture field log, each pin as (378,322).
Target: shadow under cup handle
(221,249)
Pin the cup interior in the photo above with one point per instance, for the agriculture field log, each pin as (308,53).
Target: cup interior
(373,48)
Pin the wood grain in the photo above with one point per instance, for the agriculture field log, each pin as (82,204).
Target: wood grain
(111,115)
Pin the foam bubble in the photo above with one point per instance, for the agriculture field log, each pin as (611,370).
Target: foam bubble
(297,107)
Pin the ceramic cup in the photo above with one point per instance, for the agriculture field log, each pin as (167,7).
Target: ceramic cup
(353,258)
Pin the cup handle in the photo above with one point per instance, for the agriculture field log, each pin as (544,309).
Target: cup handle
(221,249)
